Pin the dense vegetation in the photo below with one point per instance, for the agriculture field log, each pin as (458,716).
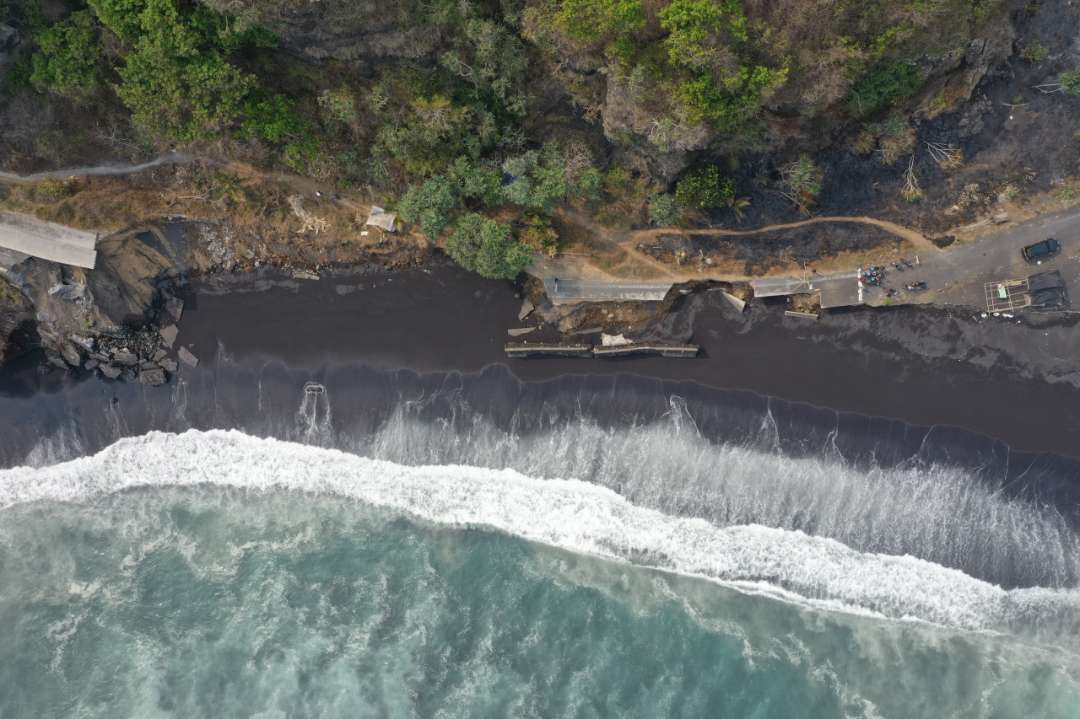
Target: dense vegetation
(457,136)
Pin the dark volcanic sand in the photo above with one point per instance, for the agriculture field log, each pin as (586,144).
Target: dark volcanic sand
(445,319)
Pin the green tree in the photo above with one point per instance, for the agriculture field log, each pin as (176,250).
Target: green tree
(68,57)
(123,17)
(431,205)
(174,84)
(538,178)
(883,85)
(479,181)
(613,22)
(487,247)
(709,41)
(704,189)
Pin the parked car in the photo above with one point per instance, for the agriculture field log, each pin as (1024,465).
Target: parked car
(1041,250)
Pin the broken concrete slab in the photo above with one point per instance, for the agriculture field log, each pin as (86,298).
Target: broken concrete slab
(175,307)
(304,275)
(159,355)
(519,331)
(187,358)
(169,334)
(110,371)
(735,302)
(527,308)
(71,354)
(169,365)
(90,364)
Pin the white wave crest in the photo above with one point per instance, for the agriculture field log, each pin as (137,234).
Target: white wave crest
(568,514)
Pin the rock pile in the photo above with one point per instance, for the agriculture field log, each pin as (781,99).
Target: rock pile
(140,355)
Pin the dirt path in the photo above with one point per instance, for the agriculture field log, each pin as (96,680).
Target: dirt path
(915,238)
(172,158)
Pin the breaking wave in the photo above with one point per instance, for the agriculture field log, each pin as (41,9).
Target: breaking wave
(572,515)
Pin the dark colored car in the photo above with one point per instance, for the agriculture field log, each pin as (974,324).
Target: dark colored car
(1041,250)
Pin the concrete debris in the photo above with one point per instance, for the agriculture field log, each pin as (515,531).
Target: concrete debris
(304,275)
(187,358)
(125,358)
(169,365)
(159,355)
(153,377)
(110,371)
(90,364)
(607,340)
(519,331)
(381,218)
(168,335)
(1001,218)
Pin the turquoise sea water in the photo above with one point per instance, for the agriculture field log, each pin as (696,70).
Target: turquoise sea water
(218,575)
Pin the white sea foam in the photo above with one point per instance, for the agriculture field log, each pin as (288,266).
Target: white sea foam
(568,514)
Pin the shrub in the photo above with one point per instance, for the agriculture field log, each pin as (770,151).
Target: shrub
(339,106)
(537,234)
(1035,53)
(704,189)
(803,180)
(1070,81)
(487,248)
(896,139)
(663,210)
(68,56)
(883,85)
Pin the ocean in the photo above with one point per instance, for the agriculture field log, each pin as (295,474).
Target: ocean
(386,544)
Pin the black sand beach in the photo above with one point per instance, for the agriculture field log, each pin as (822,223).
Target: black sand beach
(446,320)
(374,340)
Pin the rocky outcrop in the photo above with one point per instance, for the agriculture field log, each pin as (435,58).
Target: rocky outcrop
(15,313)
(103,319)
(9,38)
(649,138)
(356,31)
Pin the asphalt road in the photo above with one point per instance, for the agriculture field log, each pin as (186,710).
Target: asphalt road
(566,290)
(30,236)
(957,275)
(954,276)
